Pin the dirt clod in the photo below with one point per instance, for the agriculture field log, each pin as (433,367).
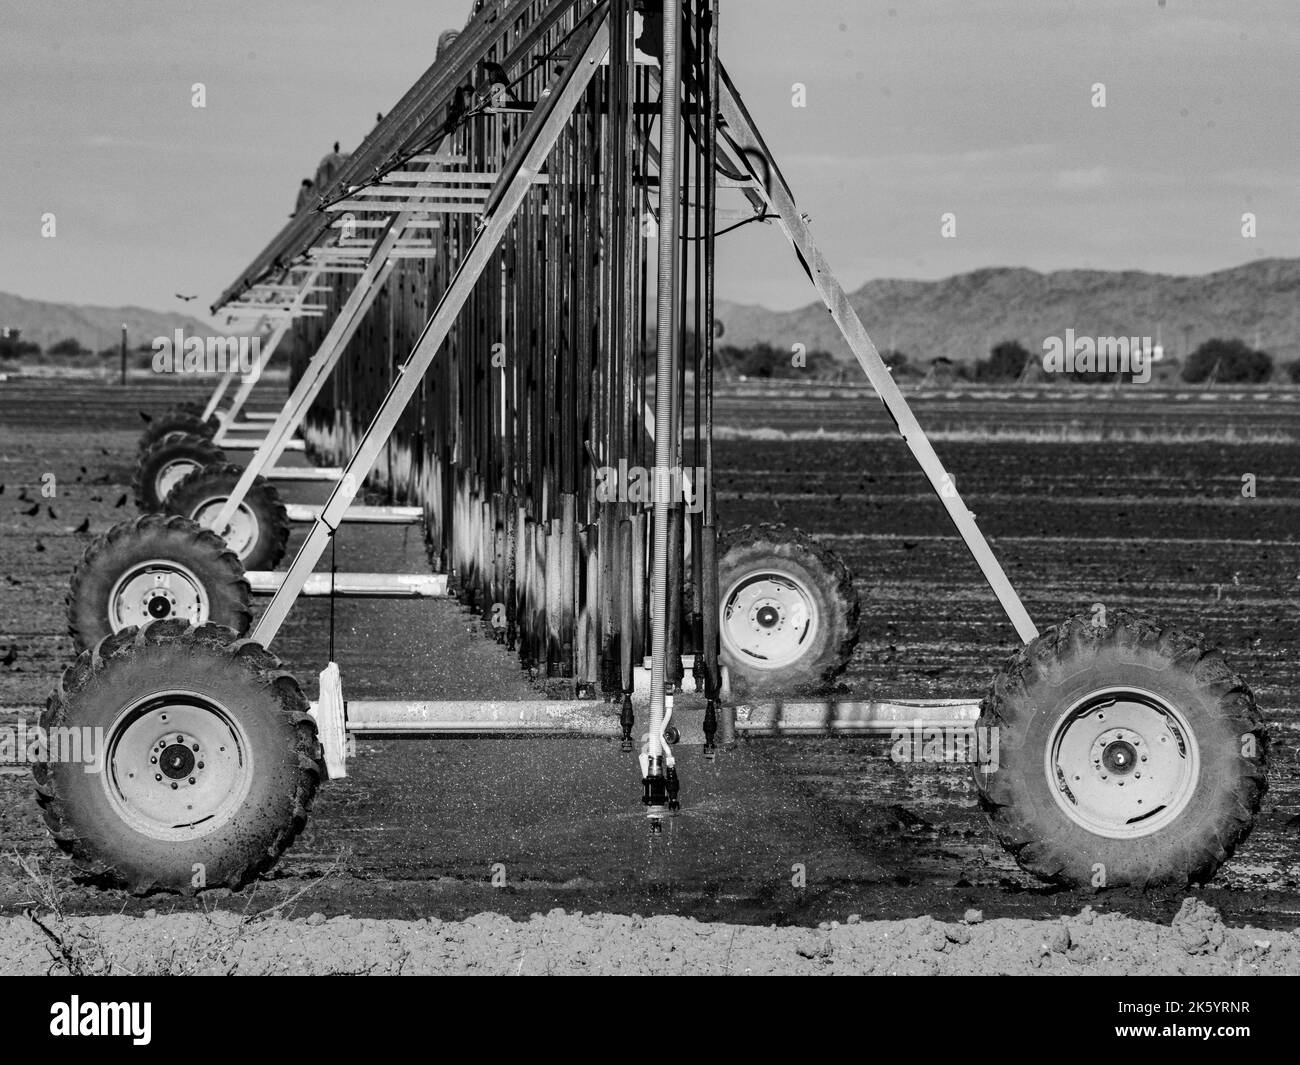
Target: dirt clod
(1199,927)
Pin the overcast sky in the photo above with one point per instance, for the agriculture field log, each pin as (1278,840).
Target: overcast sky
(982,108)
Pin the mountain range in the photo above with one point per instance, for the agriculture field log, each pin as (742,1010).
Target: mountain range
(961,317)
(96,328)
(958,317)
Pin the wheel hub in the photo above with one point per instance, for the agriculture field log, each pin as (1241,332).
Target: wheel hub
(176,760)
(1118,757)
(1123,763)
(157,589)
(172,473)
(769,618)
(178,766)
(241,535)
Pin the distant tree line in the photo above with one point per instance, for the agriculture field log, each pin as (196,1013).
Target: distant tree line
(1230,361)
(768,361)
(17,348)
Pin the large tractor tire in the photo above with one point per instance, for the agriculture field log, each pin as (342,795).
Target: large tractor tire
(788,610)
(183,418)
(168,462)
(153,568)
(208,760)
(259,530)
(1127,755)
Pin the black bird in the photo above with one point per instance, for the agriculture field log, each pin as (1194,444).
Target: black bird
(53,516)
(84,526)
(22,495)
(187,298)
(121,502)
(36,509)
(40,546)
(11,656)
(2,489)
(146,416)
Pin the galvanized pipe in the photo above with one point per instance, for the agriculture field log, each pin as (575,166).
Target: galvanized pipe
(665,368)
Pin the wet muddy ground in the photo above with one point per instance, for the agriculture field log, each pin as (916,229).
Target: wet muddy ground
(420,826)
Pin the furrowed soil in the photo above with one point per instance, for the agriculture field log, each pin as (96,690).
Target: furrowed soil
(1129,498)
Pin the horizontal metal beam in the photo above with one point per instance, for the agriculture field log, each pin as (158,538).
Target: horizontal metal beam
(469,717)
(249,443)
(356,585)
(447,177)
(873,717)
(304,473)
(359,515)
(405,205)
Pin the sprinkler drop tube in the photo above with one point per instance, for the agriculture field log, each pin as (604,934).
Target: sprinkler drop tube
(665,379)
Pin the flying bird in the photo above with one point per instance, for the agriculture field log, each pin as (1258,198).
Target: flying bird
(187,298)
(10,657)
(121,502)
(36,509)
(84,526)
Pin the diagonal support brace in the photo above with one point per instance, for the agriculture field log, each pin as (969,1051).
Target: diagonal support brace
(742,139)
(534,146)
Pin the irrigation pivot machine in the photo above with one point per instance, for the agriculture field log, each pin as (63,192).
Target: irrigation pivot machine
(506,294)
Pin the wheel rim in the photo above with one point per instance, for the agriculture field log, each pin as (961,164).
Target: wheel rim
(1123,762)
(769,619)
(172,473)
(178,766)
(241,535)
(155,590)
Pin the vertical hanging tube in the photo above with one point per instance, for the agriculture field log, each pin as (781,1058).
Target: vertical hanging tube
(665,367)
(707,588)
